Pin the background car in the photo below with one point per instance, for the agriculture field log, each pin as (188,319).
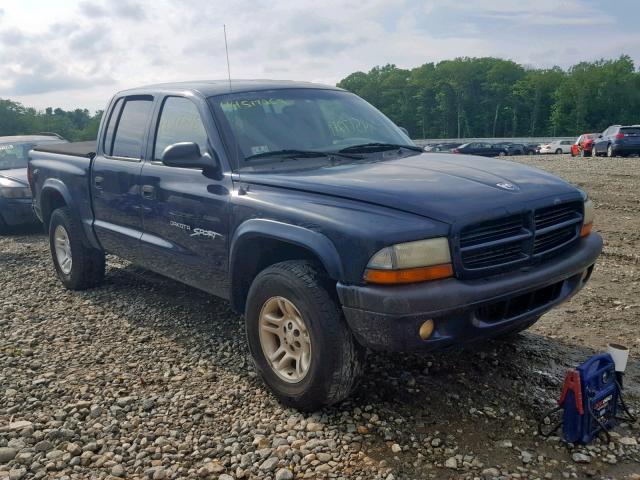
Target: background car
(583,145)
(480,148)
(519,148)
(618,141)
(441,147)
(557,147)
(15,195)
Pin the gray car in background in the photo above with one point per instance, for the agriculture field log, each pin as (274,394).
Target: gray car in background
(15,195)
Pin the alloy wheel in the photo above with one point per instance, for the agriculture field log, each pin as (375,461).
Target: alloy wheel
(63,250)
(285,339)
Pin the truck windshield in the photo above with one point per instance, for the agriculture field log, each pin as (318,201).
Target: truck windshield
(259,125)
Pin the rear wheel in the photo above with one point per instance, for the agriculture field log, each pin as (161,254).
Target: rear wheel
(585,153)
(78,266)
(558,151)
(298,337)
(502,154)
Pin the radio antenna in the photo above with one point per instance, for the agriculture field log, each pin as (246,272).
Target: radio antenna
(226,48)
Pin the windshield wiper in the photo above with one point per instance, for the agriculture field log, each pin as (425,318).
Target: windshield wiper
(379,147)
(292,153)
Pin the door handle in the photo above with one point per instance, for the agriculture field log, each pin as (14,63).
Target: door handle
(148,192)
(97,181)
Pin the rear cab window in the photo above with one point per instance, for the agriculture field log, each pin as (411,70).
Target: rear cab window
(127,127)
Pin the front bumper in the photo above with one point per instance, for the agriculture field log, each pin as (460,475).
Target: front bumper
(17,211)
(389,317)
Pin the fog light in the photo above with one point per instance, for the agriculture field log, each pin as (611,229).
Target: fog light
(426,329)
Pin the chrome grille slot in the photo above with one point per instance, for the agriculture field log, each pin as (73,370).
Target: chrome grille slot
(491,230)
(550,216)
(493,242)
(556,226)
(553,239)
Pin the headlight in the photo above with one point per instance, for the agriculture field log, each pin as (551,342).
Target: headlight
(410,262)
(15,192)
(589,216)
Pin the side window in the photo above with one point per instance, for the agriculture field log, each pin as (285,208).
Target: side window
(131,128)
(180,121)
(111,126)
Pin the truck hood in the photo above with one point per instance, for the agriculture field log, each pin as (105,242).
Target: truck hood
(442,187)
(18,175)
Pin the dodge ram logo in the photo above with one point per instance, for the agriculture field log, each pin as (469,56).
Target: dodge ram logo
(506,186)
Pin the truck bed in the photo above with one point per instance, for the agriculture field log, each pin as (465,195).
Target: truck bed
(75,149)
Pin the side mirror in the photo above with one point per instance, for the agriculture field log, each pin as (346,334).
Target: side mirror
(599,135)
(188,155)
(405,131)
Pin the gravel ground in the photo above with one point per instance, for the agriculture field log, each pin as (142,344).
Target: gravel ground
(146,378)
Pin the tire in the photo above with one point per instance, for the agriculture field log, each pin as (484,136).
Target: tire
(334,360)
(502,154)
(4,229)
(558,151)
(87,265)
(585,154)
(610,152)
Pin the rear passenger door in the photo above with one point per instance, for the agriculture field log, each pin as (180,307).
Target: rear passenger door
(115,176)
(185,212)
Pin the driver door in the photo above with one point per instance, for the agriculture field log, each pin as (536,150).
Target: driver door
(185,213)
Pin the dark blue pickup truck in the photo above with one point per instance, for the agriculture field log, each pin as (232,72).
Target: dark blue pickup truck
(318,219)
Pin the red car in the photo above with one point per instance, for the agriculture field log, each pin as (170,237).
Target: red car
(583,145)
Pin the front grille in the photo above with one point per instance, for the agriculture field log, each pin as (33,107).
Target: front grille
(518,239)
(516,306)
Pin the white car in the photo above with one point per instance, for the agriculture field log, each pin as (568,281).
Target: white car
(557,147)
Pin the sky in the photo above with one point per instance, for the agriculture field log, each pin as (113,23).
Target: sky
(77,53)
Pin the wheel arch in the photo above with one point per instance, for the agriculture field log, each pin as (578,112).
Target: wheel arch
(258,243)
(54,194)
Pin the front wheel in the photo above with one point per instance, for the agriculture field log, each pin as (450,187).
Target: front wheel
(558,151)
(610,152)
(300,342)
(78,266)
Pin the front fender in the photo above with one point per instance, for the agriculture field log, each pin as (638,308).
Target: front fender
(313,241)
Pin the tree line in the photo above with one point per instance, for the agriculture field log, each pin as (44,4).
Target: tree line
(464,97)
(492,97)
(74,125)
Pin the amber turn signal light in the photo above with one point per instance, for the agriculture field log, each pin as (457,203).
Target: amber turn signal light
(586,229)
(408,275)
